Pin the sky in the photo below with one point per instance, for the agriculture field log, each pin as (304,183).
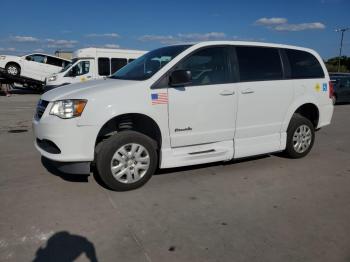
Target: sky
(47,26)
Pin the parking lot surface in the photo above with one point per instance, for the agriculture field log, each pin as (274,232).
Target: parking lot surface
(265,208)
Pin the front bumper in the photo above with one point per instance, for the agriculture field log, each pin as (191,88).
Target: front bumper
(76,168)
(74,143)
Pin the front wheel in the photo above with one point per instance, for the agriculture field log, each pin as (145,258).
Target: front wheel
(127,160)
(13,69)
(300,137)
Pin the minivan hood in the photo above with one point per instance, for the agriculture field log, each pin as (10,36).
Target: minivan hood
(85,90)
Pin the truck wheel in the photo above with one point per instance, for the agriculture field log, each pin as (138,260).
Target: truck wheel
(13,69)
(127,160)
(300,137)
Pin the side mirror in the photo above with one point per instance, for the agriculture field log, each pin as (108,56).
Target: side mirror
(29,58)
(180,78)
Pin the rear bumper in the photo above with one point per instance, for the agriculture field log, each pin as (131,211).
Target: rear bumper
(326,113)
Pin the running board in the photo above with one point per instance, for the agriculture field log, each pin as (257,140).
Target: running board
(198,154)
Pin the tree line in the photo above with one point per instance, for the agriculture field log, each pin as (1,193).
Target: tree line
(332,64)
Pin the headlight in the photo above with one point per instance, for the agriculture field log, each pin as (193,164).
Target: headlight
(2,57)
(52,78)
(68,108)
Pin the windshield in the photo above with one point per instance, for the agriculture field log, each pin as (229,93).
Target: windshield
(68,65)
(147,65)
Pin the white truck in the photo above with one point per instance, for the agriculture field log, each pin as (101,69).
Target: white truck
(92,63)
(33,66)
(185,105)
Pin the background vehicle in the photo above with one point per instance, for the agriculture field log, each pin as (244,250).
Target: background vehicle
(34,66)
(92,63)
(341,83)
(185,105)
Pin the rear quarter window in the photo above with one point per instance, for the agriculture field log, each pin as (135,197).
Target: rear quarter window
(54,61)
(303,65)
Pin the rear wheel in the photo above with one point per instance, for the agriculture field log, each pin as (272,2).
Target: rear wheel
(13,69)
(126,160)
(300,137)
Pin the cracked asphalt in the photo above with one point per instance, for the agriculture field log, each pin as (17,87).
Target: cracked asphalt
(265,208)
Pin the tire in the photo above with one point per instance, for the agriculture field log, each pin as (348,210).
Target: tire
(129,169)
(300,137)
(13,69)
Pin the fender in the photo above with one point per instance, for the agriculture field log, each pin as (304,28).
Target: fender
(298,102)
(111,114)
(9,60)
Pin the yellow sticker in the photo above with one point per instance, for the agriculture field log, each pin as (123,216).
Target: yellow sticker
(318,87)
(82,79)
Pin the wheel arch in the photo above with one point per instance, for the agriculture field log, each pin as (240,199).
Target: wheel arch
(130,121)
(13,63)
(308,109)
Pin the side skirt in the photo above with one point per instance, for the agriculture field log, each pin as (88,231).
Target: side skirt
(197,154)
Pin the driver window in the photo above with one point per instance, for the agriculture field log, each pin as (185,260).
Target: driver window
(208,66)
(81,68)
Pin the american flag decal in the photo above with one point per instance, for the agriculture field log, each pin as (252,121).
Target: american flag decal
(159,98)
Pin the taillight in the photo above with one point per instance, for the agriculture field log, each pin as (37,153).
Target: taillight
(331,89)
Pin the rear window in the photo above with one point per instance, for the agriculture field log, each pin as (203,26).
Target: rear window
(117,63)
(303,65)
(259,63)
(54,61)
(104,68)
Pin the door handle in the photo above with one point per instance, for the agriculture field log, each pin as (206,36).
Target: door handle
(247,91)
(88,77)
(227,92)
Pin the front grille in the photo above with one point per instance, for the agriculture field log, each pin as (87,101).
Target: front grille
(40,108)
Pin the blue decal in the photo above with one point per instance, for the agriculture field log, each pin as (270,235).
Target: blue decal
(324,87)
(154,96)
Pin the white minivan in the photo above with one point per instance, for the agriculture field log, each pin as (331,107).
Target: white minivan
(34,66)
(92,63)
(186,105)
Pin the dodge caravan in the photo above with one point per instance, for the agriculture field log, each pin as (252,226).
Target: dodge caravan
(185,105)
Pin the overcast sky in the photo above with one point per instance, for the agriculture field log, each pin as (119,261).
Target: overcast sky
(45,26)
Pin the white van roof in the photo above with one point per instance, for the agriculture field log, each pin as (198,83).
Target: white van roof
(249,43)
(107,52)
